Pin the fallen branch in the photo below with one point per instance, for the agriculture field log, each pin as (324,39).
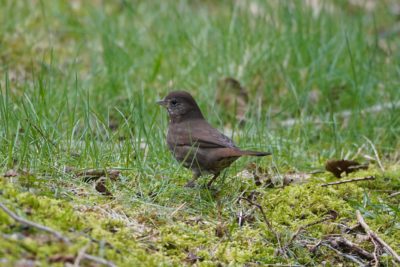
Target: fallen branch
(267,222)
(349,181)
(33,224)
(374,236)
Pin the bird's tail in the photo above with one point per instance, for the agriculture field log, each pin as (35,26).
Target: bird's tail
(254,153)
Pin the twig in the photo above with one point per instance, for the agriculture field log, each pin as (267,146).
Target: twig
(346,245)
(376,257)
(33,224)
(349,181)
(81,255)
(344,255)
(394,194)
(267,222)
(98,260)
(374,236)
(332,215)
(314,248)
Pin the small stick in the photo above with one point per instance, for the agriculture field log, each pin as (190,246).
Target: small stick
(33,224)
(374,236)
(376,257)
(349,181)
(81,255)
(98,260)
(267,222)
(262,212)
(394,194)
(347,256)
(332,215)
(341,242)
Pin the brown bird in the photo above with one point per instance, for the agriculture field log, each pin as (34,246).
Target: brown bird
(194,142)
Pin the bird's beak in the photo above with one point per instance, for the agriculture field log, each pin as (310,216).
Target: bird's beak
(162,103)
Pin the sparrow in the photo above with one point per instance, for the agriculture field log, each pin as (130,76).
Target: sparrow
(195,143)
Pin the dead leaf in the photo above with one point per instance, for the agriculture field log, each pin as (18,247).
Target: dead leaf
(233,97)
(11,173)
(100,186)
(94,174)
(337,167)
(259,174)
(295,178)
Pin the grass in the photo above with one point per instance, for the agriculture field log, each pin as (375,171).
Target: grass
(79,81)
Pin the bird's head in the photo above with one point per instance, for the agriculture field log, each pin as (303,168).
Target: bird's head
(181,106)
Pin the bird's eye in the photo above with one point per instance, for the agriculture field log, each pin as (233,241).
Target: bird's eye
(174,102)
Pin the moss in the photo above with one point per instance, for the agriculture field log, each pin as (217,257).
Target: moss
(207,232)
(61,216)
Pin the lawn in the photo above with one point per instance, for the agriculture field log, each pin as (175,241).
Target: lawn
(83,143)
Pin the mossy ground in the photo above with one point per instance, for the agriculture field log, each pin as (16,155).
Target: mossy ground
(147,234)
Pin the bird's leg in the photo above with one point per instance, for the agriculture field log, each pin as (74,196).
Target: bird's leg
(212,180)
(192,182)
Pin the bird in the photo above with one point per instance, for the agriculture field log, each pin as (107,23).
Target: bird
(195,143)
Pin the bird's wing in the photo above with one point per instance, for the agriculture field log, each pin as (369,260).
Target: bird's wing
(198,133)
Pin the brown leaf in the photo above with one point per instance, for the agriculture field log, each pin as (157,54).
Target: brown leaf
(337,167)
(94,174)
(100,186)
(295,178)
(259,174)
(11,173)
(233,97)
